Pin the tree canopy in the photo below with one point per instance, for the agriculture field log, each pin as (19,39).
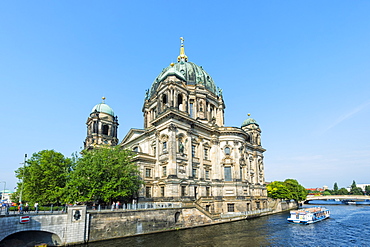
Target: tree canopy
(342,191)
(290,189)
(43,178)
(367,189)
(278,190)
(104,174)
(335,188)
(355,190)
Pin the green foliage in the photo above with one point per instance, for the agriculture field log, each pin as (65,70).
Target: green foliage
(335,188)
(43,178)
(367,189)
(289,189)
(342,191)
(104,174)
(278,190)
(326,193)
(355,190)
(298,192)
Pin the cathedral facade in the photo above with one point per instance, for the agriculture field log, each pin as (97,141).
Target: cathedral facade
(184,152)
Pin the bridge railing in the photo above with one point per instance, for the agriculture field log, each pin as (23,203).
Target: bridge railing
(13,210)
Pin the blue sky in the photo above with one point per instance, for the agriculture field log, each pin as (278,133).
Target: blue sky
(301,68)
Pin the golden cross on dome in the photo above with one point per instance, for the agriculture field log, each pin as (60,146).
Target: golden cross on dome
(182,56)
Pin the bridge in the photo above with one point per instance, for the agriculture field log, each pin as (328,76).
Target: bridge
(341,199)
(54,229)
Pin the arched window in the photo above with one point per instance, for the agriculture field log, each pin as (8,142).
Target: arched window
(105,129)
(164,103)
(248,139)
(95,127)
(164,99)
(179,102)
(227,151)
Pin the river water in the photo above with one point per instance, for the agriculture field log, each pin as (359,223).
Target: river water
(347,226)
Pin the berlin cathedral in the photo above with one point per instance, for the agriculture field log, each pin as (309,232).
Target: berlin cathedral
(184,152)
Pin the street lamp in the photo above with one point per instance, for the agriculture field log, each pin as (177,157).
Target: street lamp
(2,195)
(24,164)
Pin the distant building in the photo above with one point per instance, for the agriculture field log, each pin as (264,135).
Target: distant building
(185,153)
(313,191)
(6,196)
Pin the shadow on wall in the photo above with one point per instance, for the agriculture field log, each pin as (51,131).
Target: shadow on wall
(30,238)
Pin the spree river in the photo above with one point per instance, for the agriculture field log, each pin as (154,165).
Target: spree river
(347,226)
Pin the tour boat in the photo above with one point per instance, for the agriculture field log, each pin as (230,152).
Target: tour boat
(308,215)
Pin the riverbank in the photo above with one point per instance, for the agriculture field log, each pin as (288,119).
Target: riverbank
(80,225)
(112,225)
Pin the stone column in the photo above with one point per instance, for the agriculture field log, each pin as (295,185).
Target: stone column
(172,150)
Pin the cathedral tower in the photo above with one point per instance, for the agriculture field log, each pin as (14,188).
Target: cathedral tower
(101,126)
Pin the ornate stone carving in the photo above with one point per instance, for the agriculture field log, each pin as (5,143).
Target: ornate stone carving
(172,127)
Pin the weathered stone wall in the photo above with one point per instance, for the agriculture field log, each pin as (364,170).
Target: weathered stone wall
(116,224)
(193,217)
(279,205)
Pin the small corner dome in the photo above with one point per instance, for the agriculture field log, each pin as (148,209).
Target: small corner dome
(102,107)
(249,121)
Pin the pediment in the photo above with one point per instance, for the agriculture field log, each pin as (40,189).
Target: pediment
(131,135)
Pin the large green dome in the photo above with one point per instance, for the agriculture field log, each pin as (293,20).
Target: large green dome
(102,107)
(189,72)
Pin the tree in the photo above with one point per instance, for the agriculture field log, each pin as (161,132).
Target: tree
(290,189)
(355,190)
(367,189)
(299,193)
(104,174)
(335,188)
(43,178)
(342,191)
(278,190)
(326,193)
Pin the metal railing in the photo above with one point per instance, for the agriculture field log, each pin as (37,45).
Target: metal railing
(245,213)
(13,210)
(136,206)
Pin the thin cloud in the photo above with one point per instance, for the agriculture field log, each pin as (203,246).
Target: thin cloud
(348,115)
